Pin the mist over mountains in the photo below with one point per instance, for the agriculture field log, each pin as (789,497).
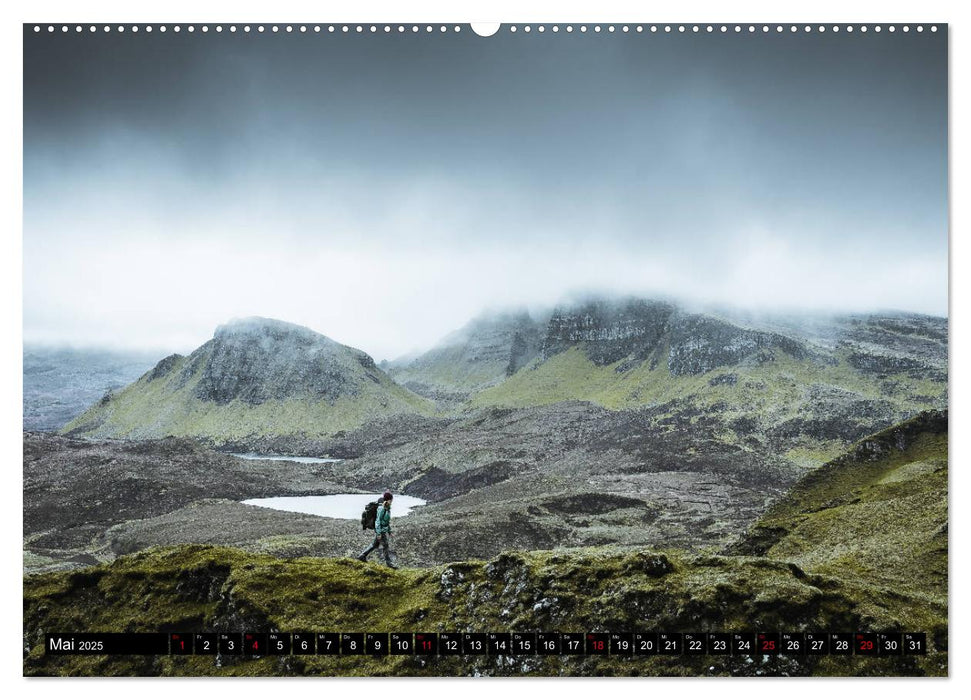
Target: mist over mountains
(61,382)
(834,378)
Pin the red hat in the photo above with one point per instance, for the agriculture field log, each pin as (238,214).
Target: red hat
(387,496)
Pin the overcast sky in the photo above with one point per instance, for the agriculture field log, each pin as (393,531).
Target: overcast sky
(385,189)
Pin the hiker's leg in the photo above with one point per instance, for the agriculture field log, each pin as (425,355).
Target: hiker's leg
(374,545)
(389,555)
(384,548)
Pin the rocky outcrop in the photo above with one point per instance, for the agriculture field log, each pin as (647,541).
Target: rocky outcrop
(256,360)
(699,344)
(164,367)
(610,331)
(882,364)
(492,348)
(638,329)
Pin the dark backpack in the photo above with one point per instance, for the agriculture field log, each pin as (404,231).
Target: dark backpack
(369,515)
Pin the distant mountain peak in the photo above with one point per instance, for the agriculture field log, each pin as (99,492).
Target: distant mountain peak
(259,326)
(255,376)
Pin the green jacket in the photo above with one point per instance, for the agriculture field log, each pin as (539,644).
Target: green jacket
(382,523)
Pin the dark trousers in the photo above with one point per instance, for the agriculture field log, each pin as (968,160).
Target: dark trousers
(384,542)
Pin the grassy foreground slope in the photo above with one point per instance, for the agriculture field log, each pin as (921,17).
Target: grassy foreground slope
(878,513)
(194,588)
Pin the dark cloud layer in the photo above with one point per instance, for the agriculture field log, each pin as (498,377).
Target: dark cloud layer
(688,152)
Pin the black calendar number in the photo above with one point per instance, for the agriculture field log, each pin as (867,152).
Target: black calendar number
(743,643)
(205,643)
(670,643)
(792,643)
(500,643)
(376,643)
(328,643)
(841,644)
(230,644)
(450,644)
(915,643)
(645,643)
(303,643)
(548,643)
(719,643)
(621,644)
(352,643)
(401,643)
(474,643)
(278,644)
(695,643)
(571,643)
(817,643)
(523,643)
(890,644)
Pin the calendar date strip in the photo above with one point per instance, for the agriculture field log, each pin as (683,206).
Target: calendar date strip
(618,644)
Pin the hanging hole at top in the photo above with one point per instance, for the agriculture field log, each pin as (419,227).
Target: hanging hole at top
(485,28)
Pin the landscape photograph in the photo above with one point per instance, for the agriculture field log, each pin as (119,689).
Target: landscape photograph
(629,330)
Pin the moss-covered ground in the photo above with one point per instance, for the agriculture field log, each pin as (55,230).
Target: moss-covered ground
(196,588)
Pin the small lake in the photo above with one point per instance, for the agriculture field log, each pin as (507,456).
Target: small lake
(347,506)
(284,458)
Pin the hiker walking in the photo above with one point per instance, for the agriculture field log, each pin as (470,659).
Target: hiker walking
(382,529)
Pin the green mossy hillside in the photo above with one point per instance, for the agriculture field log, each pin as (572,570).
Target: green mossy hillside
(168,404)
(878,512)
(776,389)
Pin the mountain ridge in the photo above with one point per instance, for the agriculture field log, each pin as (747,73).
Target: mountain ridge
(687,342)
(834,380)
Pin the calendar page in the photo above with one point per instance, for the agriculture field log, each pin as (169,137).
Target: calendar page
(539,349)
